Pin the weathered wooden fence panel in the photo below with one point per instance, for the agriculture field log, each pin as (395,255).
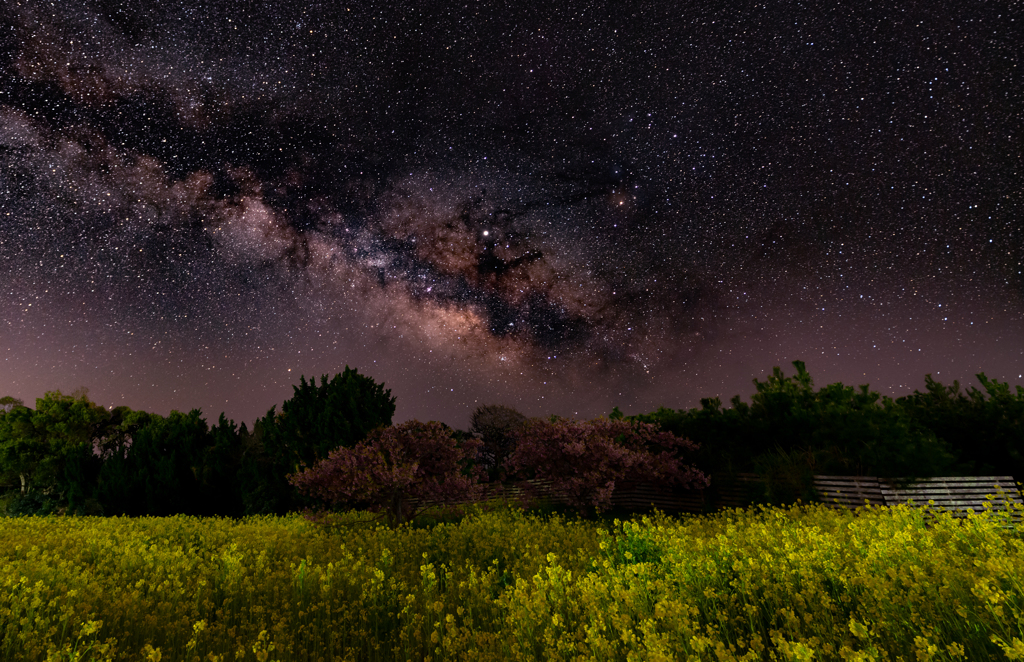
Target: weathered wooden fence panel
(957,494)
(643,496)
(737,491)
(849,491)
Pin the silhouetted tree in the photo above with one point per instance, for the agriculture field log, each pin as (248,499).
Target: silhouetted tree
(157,472)
(219,471)
(789,432)
(985,433)
(316,420)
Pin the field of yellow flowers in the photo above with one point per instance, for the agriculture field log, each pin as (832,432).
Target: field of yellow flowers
(801,583)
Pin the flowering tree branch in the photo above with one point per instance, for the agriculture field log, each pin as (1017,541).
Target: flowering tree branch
(585,459)
(399,470)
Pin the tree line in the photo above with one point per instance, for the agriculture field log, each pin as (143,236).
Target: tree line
(790,432)
(333,445)
(71,455)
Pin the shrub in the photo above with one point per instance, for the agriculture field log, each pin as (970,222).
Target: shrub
(585,459)
(398,470)
(316,420)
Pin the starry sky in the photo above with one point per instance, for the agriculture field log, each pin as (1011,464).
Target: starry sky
(558,206)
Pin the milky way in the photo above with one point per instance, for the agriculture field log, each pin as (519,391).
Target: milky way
(560,208)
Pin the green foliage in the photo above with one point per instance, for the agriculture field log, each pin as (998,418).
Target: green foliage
(629,543)
(157,472)
(726,444)
(261,492)
(21,450)
(218,472)
(789,432)
(81,457)
(51,449)
(315,421)
(72,455)
(987,433)
(843,430)
(339,413)
(32,503)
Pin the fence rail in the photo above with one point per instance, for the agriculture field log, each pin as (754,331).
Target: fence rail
(736,491)
(957,494)
(641,496)
(849,491)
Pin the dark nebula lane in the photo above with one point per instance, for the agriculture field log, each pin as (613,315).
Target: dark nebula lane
(560,208)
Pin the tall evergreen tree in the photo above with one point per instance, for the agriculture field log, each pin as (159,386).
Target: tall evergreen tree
(316,420)
(219,477)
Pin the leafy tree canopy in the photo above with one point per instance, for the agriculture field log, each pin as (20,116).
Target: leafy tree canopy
(55,446)
(789,431)
(984,426)
(341,412)
(158,473)
(315,421)
(585,459)
(397,470)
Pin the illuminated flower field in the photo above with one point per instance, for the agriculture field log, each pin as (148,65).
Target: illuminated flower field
(787,584)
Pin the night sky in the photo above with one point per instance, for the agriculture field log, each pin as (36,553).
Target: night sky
(556,206)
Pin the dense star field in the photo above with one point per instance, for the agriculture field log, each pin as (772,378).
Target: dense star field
(557,206)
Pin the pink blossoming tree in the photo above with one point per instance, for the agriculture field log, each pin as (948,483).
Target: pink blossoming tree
(585,459)
(396,470)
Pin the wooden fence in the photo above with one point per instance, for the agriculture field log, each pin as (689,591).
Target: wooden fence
(538,492)
(957,494)
(737,491)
